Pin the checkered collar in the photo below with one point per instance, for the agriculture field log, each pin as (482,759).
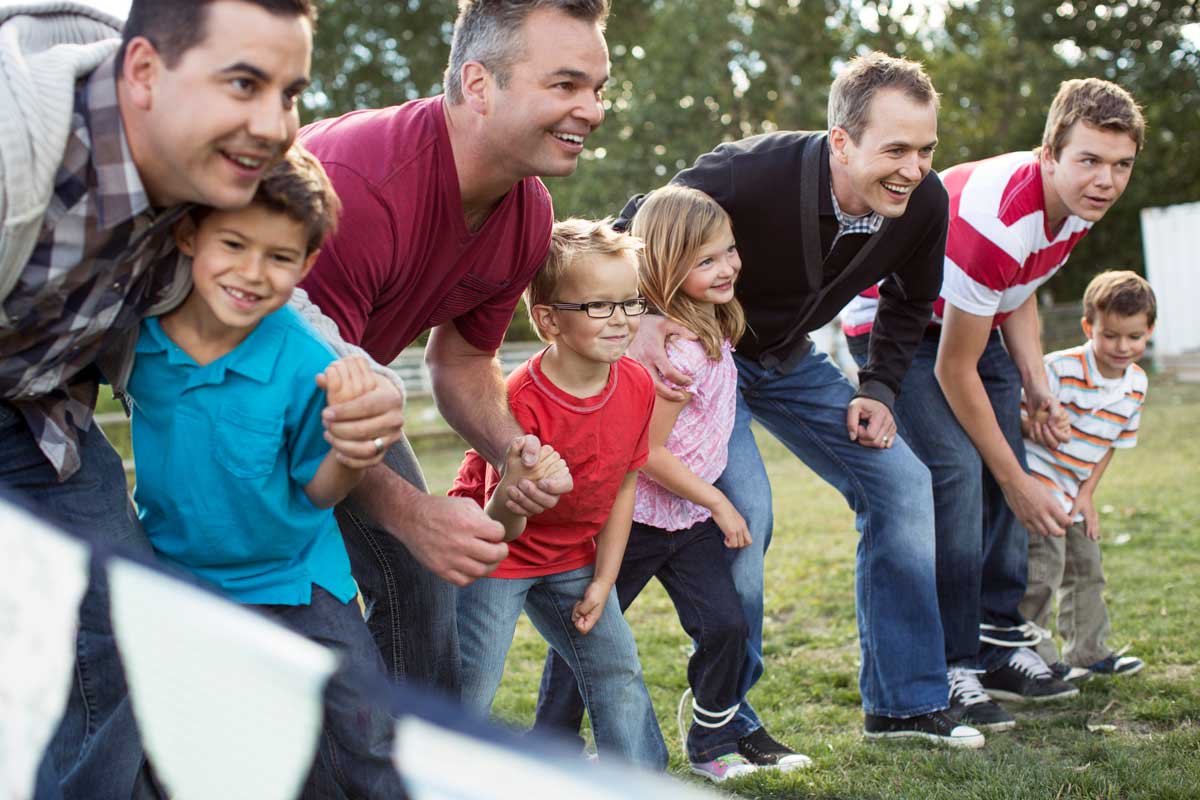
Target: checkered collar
(867,223)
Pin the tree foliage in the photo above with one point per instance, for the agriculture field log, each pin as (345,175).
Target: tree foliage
(687,75)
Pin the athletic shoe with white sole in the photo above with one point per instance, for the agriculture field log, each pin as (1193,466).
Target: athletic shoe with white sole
(1065,672)
(1117,664)
(764,752)
(936,726)
(722,768)
(970,704)
(1025,678)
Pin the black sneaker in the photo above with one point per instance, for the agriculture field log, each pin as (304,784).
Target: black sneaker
(970,705)
(936,726)
(761,750)
(1026,678)
(1065,672)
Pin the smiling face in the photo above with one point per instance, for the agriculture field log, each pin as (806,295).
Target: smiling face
(1090,173)
(890,159)
(1117,341)
(207,129)
(539,122)
(245,265)
(711,280)
(586,339)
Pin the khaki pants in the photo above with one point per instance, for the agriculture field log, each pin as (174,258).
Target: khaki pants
(1068,567)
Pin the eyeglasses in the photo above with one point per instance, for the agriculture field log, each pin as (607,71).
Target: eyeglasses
(603,309)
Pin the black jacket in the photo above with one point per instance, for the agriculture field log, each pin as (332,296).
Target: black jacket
(758,182)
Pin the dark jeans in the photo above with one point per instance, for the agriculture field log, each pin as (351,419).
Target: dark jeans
(96,751)
(692,567)
(412,611)
(982,549)
(356,741)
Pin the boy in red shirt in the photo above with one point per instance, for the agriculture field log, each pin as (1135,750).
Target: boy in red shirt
(592,405)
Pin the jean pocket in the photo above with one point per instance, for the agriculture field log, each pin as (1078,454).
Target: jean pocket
(247,445)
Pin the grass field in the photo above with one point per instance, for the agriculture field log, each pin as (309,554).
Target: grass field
(809,696)
(1149,746)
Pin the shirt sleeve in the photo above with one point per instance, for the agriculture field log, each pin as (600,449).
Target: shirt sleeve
(980,266)
(351,272)
(641,451)
(484,325)
(1129,436)
(471,481)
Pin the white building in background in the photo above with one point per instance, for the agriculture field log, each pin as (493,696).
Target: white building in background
(1171,243)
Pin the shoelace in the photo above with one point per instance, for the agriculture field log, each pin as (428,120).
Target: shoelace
(965,686)
(1030,663)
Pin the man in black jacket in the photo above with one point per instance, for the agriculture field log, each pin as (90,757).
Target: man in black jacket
(818,218)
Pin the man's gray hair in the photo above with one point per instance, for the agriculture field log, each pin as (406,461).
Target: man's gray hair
(855,86)
(489,31)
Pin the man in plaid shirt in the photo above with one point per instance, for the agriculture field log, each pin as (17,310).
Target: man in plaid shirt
(113,139)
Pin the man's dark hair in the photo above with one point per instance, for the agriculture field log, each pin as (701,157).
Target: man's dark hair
(176,26)
(489,31)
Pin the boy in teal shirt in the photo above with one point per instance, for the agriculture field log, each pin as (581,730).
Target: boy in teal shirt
(235,481)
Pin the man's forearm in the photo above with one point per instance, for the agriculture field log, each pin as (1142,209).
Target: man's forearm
(1023,340)
(382,495)
(968,400)
(472,398)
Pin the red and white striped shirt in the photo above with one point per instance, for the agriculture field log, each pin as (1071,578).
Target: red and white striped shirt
(998,249)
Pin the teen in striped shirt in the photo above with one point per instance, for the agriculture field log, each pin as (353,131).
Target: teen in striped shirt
(1100,389)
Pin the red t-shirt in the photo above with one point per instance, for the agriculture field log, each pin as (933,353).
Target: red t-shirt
(403,259)
(601,438)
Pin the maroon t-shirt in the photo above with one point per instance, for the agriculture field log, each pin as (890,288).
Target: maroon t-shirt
(403,259)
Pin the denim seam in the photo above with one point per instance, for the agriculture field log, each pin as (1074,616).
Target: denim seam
(583,680)
(860,492)
(393,596)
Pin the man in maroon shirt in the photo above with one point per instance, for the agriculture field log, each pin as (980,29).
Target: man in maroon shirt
(444,224)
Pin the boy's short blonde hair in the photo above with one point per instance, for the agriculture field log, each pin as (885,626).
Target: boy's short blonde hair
(573,241)
(1121,292)
(1101,104)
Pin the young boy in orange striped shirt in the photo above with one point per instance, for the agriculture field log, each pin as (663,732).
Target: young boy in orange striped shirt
(1100,388)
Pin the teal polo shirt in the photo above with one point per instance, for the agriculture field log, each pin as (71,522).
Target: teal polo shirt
(223,453)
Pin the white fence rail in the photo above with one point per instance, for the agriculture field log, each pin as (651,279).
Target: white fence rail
(1171,242)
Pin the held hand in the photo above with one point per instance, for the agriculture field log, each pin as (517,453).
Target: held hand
(452,538)
(540,489)
(870,423)
(649,348)
(1036,507)
(587,611)
(1084,504)
(1051,425)
(361,429)
(732,524)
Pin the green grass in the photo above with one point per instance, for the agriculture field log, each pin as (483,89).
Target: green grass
(809,696)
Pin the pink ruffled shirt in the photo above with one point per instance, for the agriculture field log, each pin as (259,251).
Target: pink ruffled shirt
(700,438)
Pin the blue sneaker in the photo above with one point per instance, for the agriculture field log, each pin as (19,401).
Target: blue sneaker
(1117,664)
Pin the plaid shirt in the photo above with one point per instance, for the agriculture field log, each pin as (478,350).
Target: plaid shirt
(867,223)
(90,275)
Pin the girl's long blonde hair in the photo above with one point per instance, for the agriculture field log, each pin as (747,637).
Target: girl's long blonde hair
(674,223)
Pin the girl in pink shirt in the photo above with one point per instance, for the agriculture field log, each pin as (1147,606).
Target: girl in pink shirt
(683,525)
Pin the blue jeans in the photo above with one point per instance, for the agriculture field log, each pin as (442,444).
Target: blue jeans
(355,756)
(96,751)
(690,564)
(982,548)
(605,660)
(903,670)
(412,610)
